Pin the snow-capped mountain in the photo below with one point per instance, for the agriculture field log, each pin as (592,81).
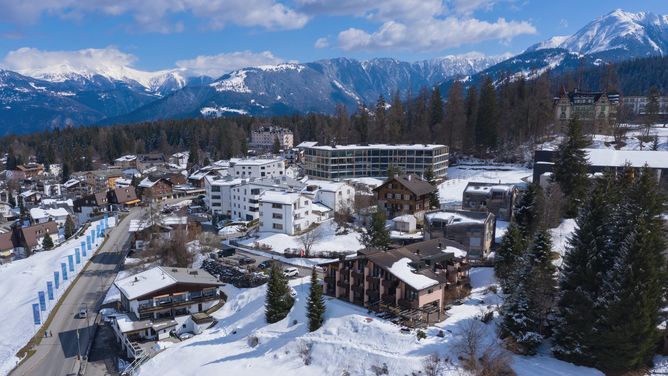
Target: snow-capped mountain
(616,36)
(311,87)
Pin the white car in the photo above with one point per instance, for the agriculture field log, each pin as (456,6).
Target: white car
(186,335)
(291,272)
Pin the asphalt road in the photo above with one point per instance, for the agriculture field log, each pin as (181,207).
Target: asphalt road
(57,355)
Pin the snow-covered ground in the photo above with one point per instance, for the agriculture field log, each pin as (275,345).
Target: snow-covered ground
(560,236)
(350,340)
(22,279)
(450,191)
(329,241)
(630,140)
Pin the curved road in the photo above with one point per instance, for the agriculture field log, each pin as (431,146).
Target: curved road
(57,355)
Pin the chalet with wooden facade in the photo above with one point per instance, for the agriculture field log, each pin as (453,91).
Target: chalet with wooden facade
(407,194)
(416,281)
(155,188)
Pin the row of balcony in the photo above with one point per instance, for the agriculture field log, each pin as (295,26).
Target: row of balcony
(169,302)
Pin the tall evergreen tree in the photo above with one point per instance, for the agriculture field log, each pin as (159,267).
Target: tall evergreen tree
(376,234)
(278,301)
(586,261)
(508,255)
(276,146)
(487,120)
(436,113)
(471,119)
(433,197)
(570,168)
(542,279)
(315,306)
(47,242)
(455,117)
(529,210)
(70,228)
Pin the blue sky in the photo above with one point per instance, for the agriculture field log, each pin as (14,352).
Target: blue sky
(163,34)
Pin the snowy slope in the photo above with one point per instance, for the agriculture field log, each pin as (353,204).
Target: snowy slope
(28,276)
(617,35)
(350,340)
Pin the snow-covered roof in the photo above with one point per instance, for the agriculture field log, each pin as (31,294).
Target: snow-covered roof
(126,158)
(405,218)
(372,146)
(404,272)
(174,220)
(215,180)
(70,183)
(160,277)
(619,158)
(147,183)
(320,207)
(254,161)
(330,186)
(28,193)
(274,197)
(38,213)
(474,187)
(455,217)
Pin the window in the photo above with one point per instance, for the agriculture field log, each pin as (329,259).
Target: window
(277,226)
(277,215)
(276,206)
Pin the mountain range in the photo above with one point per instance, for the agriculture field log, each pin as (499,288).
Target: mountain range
(63,95)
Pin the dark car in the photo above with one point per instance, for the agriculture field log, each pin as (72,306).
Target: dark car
(266,264)
(227,252)
(246,261)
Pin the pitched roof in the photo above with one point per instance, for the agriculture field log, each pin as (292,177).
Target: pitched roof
(34,232)
(123,195)
(160,277)
(411,182)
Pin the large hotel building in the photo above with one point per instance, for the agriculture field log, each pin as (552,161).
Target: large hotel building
(373,160)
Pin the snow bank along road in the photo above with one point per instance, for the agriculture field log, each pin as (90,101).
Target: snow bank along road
(57,355)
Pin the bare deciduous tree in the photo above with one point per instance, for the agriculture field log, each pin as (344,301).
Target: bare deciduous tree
(311,238)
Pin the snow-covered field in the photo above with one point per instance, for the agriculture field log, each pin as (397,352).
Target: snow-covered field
(329,241)
(350,340)
(450,191)
(22,279)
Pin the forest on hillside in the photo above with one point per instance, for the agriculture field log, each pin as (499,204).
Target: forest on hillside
(491,118)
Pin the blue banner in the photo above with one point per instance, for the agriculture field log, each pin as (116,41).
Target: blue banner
(106,220)
(70,262)
(42,300)
(63,268)
(83,249)
(88,241)
(77,255)
(49,289)
(56,280)
(35,314)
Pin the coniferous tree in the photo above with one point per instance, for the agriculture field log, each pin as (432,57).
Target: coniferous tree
(433,197)
(436,114)
(586,261)
(529,210)
(276,147)
(376,234)
(508,255)
(47,242)
(381,128)
(486,122)
(70,228)
(570,168)
(542,279)
(315,306)
(471,118)
(278,301)
(455,117)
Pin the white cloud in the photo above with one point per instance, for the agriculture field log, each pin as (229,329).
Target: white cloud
(321,43)
(161,15)
(33,61)
(432,34)
(217,65)
(469,6)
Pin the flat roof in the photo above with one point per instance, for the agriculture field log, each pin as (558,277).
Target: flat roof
(619,158)
(315,145)
(285,198)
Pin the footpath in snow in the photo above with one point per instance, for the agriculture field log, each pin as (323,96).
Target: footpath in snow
(22,282)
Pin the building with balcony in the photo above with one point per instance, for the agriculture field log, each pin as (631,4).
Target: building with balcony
(264,138)
(498,199)
(373,160)
(407,194)
(162,299)
(416,281)
(474,230)
(245,197)
(285,212)
(256,168)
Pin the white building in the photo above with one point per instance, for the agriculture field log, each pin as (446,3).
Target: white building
(219,193)
(285,212)
(244,200)
(264,137)
(335,195)
(59,215)
(256,167)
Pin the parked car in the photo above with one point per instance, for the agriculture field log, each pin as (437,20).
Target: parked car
(291,272)
(227,252)
(186,335)
(246,261)
(266,264)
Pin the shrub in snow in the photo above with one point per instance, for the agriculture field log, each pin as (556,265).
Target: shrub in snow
(380,370)
(253,341)
(421,335)
(433,366)
(305,353)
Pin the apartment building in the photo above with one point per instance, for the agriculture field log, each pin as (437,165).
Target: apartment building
(159,300)
(336,196)
(498,199)
(635,105)
(373,160)
(264,138)
(474,230)
(416,281)
(285,212)
(256,167)
(245,197)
